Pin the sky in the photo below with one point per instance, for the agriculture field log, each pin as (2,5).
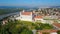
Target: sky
(31,3)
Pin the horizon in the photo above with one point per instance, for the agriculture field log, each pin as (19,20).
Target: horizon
(30,3)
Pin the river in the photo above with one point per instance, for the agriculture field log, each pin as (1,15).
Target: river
(6,15)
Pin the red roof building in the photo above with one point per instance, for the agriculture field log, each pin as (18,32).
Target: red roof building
(38,17)
(47,31)
(57,25)
(26,13)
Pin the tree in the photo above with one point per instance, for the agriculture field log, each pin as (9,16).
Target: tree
(26,32)
(58,32)
(45,33)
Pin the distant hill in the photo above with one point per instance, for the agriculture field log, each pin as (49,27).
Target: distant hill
(54,6)
(49,7)
(26,7)
(13,7)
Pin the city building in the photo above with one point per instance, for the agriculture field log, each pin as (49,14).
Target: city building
(39,19)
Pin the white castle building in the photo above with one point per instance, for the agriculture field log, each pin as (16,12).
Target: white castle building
(25,16)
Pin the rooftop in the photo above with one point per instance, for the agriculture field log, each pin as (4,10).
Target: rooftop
(50,31)
(57,24)
(26,13)
(38,17)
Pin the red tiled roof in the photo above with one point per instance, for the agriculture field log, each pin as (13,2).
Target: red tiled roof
(38,17)
(50,31)
(26,13)
(57,24)
(53,30)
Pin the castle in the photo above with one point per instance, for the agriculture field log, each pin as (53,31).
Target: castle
(31,16)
